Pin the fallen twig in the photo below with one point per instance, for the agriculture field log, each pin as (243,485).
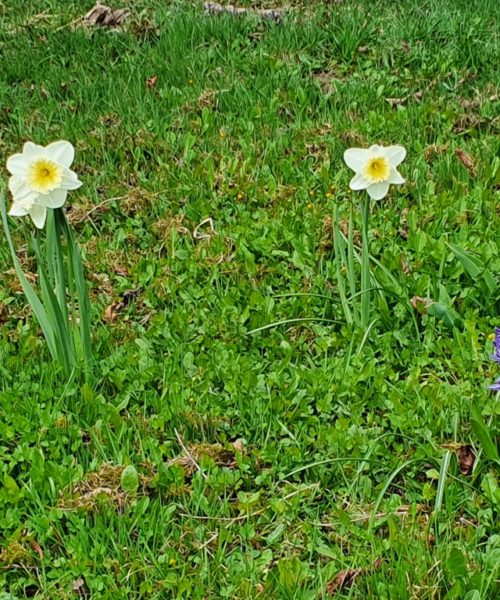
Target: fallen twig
(188,454)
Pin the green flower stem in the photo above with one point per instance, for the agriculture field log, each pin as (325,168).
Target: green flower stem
(351,269)
(78,290)
(365,266)
(339,261)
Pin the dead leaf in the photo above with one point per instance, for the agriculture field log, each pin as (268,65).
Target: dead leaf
(420,304)
(466,160)
(346,578)
(122,271)
(37,548)
(466,459)
(223,456)
(207,99)
(403,219)
(273,14)
(327,80)
(239,445)
(397,101)
(435,150)
(114,309)
(405,266)
(469,121)
(152,81)
(103,16)
(77,584)
(110,313)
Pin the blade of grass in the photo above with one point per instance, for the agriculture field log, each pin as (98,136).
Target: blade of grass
(391,478)
(286,321)
(441,485)
(482,433)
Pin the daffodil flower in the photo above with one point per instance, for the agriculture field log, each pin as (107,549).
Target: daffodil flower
(375,168)
(41,178)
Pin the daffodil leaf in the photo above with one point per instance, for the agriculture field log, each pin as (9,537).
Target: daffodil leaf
(474,266)
(34,301)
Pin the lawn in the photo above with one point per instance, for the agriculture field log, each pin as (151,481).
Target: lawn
(242,437)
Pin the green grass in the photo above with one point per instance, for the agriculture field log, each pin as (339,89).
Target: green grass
(348,444)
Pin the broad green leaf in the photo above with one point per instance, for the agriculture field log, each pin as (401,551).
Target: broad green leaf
(456,564)
(473,595)
(443,313)
(129,480)
(12,489)
(474,266)
(489,485)
(37,470)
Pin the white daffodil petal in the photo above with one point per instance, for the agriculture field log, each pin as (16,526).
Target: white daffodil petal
(32,151)
(17,165)
(395,177)
(17,186)
(377,191)
(374,150)
(61,152)
(358,182)
(20,191)
(54,199)
(395,155)
(38,215)
(355,158)
(70,180)
(17,210)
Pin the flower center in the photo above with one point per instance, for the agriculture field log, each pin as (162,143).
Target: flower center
(44,175)
(377,169)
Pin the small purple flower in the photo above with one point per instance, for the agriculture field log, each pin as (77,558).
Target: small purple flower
(496,357)
(495,387)
(496,346)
